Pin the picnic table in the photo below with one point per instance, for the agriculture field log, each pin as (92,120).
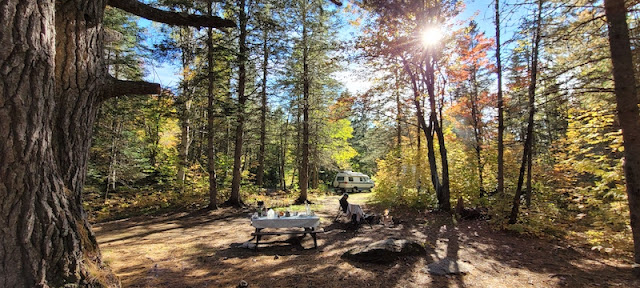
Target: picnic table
(308,223)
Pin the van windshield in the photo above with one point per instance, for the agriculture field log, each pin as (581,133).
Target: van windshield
(341,178)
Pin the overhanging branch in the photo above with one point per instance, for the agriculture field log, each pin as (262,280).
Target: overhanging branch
(171,18)
(115,87)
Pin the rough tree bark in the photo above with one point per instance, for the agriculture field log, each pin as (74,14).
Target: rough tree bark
(51,84)
(628,113)
(234,198)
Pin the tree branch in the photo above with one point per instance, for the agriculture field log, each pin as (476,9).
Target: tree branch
(171,18)
(115,87)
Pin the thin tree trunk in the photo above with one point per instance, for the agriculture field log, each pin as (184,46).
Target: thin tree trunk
(234,198)
(296,165)
(477,130)
(529,136)
(315,180)
(185,113)
(283,156)
(500,176)
(398,109)
(628,114)
(419,157)
(211,148)
(397,153)
(263,110)
(444,198)
(527,197)
(154,133)
(304,167)
(428,132)
(442,193)
(116,128)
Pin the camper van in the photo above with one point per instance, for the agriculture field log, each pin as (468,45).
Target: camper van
(352,182)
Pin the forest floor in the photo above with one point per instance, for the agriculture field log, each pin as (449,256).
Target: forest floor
(204,249)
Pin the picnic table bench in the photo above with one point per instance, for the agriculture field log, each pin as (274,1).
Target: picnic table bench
(309,223)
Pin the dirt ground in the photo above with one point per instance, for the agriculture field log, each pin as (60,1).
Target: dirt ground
(203,249)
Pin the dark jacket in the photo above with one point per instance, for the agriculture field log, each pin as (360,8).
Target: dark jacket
(344,204)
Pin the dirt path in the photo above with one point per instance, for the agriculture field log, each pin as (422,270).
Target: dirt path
(202,249)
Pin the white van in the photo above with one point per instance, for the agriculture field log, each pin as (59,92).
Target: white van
(352,182)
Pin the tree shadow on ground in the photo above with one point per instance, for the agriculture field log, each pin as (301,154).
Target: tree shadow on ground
(203,249)
(157,225)
(544,263)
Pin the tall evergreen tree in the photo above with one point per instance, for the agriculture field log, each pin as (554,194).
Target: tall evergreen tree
(628,113)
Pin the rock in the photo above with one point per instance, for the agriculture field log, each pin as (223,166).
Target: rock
(385,251)
(448,266)
(248,245)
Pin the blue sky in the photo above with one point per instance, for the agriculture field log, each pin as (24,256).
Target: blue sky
(482,12)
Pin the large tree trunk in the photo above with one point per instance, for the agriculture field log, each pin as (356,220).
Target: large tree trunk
(234,198)
(627,107)
(48,109)
(52,80)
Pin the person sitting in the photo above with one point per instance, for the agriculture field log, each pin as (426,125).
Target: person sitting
(344,204)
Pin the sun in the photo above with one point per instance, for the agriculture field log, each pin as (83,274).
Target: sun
(431,36)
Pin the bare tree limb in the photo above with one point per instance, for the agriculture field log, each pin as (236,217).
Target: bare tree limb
(337,2)
(115,87)
(171,18)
